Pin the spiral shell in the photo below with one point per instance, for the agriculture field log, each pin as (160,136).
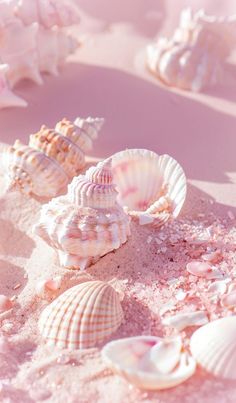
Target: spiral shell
(82,317)
(7,97)
(46,166)
(194,57)
(214,347)
(87,222)
(152,187)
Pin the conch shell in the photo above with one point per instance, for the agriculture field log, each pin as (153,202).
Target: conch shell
(194,58)
(87,222)
(46,166)
(7,97)
(82,317)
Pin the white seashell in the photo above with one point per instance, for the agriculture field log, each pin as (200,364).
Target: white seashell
(152,187)
(203,269)
(82,317)
(194,57)
(20,55)
(133,358)
(87,223)
(166,354)
(229,300)
(218,287)
(47,12)
(182,320)
(214,347)
(5,304)
(46,166)
(7,97)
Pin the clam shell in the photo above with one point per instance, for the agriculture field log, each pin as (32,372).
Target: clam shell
(82,317)
(134,359)
(214,347)
(152,187)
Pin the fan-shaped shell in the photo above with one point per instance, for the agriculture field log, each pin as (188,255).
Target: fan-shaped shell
(87,223)
(149,185)
(193,58)
(135,358)
(46,166)
(214,347)
(82,317)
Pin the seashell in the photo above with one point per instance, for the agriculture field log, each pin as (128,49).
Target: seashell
(232,286)
(5,304)
(82,317)
(182,320)
(53,48)
(203,269)
(152,187)
(47,12)
(194,57)
(214,347)
(87,222)
(218,287)
(46,286)
(213,257)
(7,97)
(20,55)
(45,167)
(166,354)
(135,359)
(229,300)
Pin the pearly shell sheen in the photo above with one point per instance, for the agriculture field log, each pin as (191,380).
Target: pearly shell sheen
(7,97)
(46,166)
(152,187)
(134,359)
(194,57)
(87,222)
(214,347)
(82,317)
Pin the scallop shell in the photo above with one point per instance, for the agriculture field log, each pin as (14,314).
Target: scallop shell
(194,57)
(7,97)
(136,360)
(152,187)
(214,347)
(20,55)
(82,317)
(87,222)
(47,12)
(46,166)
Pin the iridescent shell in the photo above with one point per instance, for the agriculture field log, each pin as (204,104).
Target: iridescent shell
(149,362)
(87,222)
(7,97)
(152,187)
(194,57)
(82,317)
(214,347)
(46,166)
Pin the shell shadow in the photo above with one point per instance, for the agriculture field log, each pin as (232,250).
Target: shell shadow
(11,276)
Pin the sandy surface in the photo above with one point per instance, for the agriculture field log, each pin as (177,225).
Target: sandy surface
(107,77)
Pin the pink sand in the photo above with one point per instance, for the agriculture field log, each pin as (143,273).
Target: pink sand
(107,77)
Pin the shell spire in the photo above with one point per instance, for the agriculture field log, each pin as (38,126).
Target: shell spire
(87,222)
(46,165)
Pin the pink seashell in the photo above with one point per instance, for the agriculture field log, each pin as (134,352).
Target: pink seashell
(213,257)
(166,354)
(47,12)
(182,320)
(229,300)
(218,287)
(87,223)
(48,286)
(82,317)
(232,287)
(20,55)
(194,57)
(46,166)
(214,347)
(134,359)
(152,187)
(203,269)
(7,97)
(5,304)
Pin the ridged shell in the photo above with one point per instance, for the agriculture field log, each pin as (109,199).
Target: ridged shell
(87,223)
(47,12)
(193,58)
(149,185)
(47,165)
(135,359)
(82,317)
(214,347)
(7,97)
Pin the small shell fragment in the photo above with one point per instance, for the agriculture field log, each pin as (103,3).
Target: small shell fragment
(203,269)
(5,304)
(182,320)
